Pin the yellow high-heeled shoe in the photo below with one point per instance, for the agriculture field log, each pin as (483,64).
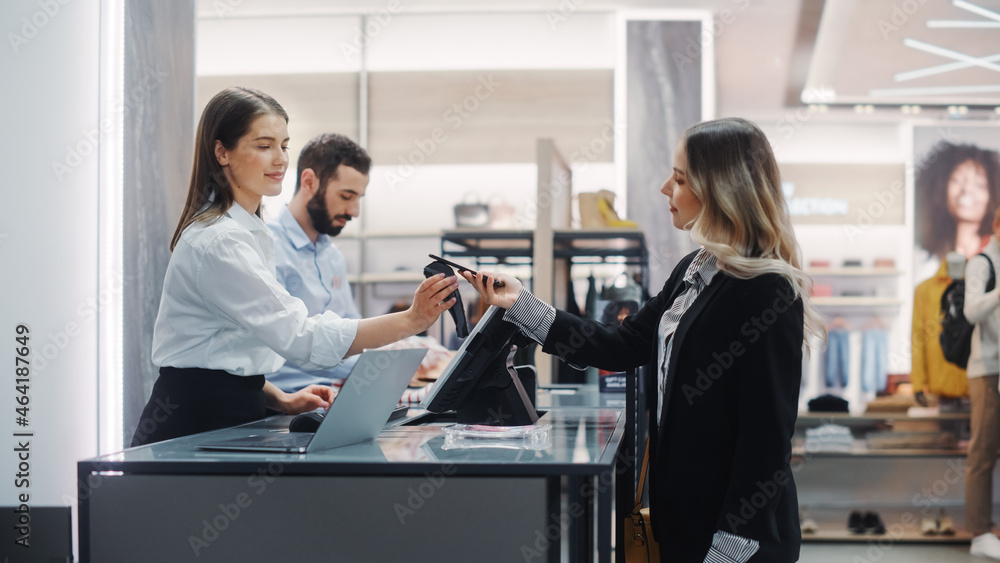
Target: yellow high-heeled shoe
(610,216)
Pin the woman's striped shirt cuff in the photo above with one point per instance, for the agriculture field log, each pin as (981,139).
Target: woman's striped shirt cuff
(531,315)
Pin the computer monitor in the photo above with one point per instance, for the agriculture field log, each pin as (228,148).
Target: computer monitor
(481,384)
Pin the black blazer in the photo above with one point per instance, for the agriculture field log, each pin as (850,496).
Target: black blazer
(721,457)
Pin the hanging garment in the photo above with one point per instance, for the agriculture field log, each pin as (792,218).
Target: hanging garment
(837,358)
(874,359)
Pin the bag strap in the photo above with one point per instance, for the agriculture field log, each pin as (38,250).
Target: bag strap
(992,282)
(642,478)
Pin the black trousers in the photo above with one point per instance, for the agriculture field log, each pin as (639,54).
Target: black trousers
(190,400)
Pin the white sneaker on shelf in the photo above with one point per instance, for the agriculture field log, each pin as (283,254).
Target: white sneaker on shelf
(986,545)
(929,526)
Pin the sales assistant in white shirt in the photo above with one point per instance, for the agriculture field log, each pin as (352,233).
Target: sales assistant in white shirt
(224,320)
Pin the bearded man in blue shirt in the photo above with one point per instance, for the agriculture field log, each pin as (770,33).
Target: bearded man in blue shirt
(332,179)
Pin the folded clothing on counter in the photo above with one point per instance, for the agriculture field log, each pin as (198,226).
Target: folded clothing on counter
(885,262)
(828,403)
(829,438)
(923,411)
(890,403)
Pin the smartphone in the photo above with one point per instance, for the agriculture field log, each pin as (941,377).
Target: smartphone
(460,268)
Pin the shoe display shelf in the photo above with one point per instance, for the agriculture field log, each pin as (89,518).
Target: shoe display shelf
(904,486)
(902,524)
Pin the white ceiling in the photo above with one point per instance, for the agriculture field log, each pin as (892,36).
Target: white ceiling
(767,51)
(927,52)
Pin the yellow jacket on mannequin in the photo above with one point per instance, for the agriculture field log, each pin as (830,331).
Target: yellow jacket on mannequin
(930,369)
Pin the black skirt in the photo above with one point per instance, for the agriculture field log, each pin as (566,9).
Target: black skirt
(191,400)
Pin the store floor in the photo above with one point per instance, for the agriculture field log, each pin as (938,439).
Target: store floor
(887,553)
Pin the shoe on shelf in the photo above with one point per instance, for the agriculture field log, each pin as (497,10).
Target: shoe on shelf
(946,525)
(986,545)
(873,523)
(809,526)
(856,523)
(611,216)
(928,526)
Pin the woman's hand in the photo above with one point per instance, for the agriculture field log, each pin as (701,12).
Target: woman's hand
(502,297)
(308,399)
(430,300)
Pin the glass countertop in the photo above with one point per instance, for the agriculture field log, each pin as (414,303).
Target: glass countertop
(584,440)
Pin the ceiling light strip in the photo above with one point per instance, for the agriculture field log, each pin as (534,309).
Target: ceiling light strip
(948,67)
(948,53)
(970,7)
(962,24)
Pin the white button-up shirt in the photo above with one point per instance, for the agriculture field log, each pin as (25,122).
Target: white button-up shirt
(222,307)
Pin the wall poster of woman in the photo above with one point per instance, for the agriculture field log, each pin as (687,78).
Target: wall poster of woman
(956,192)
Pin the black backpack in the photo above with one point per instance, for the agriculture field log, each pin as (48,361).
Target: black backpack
(956,331)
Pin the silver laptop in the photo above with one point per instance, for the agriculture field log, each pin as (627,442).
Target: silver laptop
(360,411)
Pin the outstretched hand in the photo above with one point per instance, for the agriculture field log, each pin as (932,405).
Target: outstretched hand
(431,299)
(503,296)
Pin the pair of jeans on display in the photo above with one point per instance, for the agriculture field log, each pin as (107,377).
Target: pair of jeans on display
(874,358)
(838,357)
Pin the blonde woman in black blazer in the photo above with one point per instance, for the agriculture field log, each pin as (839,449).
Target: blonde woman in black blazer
(726,335)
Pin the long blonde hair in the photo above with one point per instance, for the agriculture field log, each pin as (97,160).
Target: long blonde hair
(744,221)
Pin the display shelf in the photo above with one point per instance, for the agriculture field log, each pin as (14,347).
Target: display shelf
(902,526)
(856,301)
(833,483)
(519,271)
(842,417)
(365,277)
(908,536)
(624,247)
(859,450)
(629,244)
(488,243)
(841,272)
(389,234)
(386,277)
(549,257)
(600,243)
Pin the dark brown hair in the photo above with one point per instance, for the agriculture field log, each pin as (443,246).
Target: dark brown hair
(324,153)
(936,227)
(226,118)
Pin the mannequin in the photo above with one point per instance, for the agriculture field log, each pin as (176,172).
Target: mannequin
(931,373)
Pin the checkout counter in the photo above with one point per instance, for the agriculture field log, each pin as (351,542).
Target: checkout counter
(403,497)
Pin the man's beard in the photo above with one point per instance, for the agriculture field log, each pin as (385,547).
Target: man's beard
(320,217)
